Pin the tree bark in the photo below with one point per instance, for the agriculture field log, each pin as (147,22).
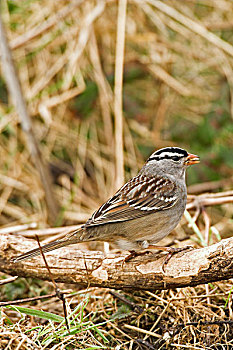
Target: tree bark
(92,268)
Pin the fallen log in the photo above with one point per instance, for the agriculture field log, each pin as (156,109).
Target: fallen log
(92,268)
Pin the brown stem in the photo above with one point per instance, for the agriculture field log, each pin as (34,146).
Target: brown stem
(15,90)
(201,201)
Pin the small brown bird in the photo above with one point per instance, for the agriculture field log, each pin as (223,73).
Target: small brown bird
(142,212)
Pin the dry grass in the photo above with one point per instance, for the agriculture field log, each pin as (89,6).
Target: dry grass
(157,320)
(178,56)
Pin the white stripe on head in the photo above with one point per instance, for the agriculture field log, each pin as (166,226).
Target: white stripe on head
(168,153)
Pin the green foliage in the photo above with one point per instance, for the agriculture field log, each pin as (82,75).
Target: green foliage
(80,322)
(14,290)
(3,91)
(122,312)
(211,138)
(23,288)
(38,313)
(84,104)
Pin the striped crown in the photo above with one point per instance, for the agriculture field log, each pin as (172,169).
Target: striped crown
(173,153)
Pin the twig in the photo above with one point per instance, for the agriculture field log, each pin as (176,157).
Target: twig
(145,344)
(58,292)
(209,185)
(194,227)
(203,201)
(27,300)
(161,314)
(144,331)
(39,232)
(207,225)
(20,105)
(204,323)
(206,235)
(8,280)
(134,306)
(18,228)
(118,105)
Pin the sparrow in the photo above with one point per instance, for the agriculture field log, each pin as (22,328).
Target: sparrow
(142,212)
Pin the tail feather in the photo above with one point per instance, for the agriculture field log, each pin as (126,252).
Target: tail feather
(71,238)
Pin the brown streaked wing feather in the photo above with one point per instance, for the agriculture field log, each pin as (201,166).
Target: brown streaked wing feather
(138,197)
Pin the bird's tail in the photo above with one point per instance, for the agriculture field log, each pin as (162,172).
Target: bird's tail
(70,238)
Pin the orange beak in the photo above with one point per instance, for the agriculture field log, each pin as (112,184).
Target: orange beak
(192,159)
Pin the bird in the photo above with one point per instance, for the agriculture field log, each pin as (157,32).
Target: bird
(142,212)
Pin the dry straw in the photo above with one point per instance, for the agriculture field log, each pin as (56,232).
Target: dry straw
(71,58)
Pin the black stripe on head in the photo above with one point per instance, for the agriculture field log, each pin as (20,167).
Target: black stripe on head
(178,150)
(174,153)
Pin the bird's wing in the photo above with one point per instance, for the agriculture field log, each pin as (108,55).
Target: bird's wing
(138,197)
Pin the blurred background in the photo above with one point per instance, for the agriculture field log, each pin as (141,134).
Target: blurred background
(177,90)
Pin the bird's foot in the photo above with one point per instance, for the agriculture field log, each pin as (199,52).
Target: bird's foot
(171,251)
(134,254)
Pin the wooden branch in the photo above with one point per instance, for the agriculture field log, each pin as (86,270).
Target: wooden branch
(70,265)
(209,185)
(207,199)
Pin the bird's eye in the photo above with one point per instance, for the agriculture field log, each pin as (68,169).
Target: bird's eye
(176,158)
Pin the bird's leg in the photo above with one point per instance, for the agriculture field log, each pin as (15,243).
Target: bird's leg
(171,251)
(134,254)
